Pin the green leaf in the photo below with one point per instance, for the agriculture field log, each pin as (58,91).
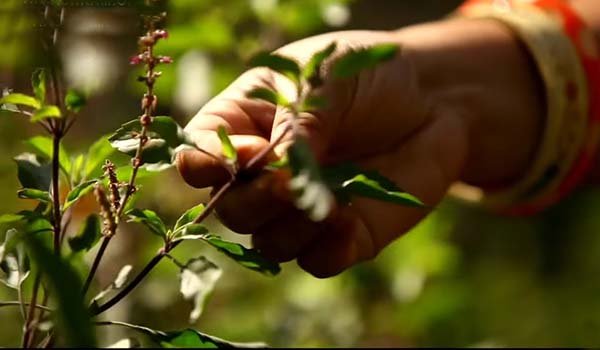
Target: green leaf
(228,149)
(165,135)
(11,218)
(312,70)
(88,235)
(65,286)
(75,100)
(349,180)
(31,193)
(248,258)
(150,219)
(33,172)
(46,112)
(312,194)
(189,216)
(352,63)
(42,145)
(78,192)
(268,95)
(198,278)
(38,82)
(313,103)
(21,99)
(187,338)
(278,63)
(96,156)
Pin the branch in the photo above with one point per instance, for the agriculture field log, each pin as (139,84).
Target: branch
(18,303)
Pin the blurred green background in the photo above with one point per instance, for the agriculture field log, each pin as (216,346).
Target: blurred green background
(461,278)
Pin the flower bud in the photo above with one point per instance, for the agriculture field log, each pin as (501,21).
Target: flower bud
(160,34)
(147,40)
(137,59)
(165,59)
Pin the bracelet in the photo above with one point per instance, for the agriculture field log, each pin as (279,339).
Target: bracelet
(568,61)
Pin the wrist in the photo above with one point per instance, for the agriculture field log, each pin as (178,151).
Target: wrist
(479,69)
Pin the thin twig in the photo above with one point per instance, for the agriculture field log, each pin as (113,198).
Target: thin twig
(262,154)
(18,303)
(27,333)
(57,225)
(96,263)
(162,253)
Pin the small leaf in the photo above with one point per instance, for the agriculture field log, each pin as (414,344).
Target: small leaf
(352,63)
(191,338)
(349,180)
(150,219)
(312,69)
(268,95)
(43,145)
(189,216)
(74,100)
(38,82)
(78,192)
(312,194)
(313,103)
(65,287)
(278,63)
(46,112)
(39,195)
(229,150)
(198,278)
(96,156)
(88,235)
(165,135)
(248,258)
(21,99)
(33,172)
(11,218)
(117,284)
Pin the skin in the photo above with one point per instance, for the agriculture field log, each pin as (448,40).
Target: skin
(437,113)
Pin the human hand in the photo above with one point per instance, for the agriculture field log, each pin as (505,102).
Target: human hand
(392,119)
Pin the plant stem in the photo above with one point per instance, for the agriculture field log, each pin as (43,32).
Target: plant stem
(262,154)
(18,303)
(28,330)
(96,263)
(169,246)
(55,190)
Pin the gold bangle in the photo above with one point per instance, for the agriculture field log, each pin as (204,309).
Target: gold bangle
(567,105)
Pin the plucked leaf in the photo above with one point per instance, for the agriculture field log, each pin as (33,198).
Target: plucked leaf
(65,286)
(312,194)
(96,156)
(352,63)
(227,147)
(268,95)
(248,258)
(150,219)
(88,235)
(21,99)
(38,82)
(278,63)
(43,145)
(78,192)
(33,172)
(31,193)
(46,112)
(74,100)
(312,69)
(189,216)
(198,278)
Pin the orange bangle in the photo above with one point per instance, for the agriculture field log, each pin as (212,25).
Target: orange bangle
(568,60)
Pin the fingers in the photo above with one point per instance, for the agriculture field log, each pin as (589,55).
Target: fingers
(202,170)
